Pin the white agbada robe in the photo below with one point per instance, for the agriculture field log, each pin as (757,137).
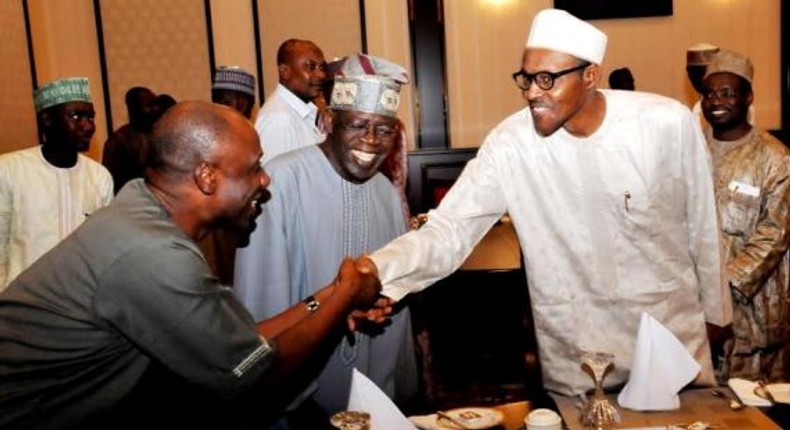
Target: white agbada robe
(285,123)
(40,204)
(612,225)
(313,220)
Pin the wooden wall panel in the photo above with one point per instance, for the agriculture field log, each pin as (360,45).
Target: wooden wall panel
(17,121)
(162,45)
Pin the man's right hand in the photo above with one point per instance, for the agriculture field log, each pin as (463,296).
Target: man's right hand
(362,286)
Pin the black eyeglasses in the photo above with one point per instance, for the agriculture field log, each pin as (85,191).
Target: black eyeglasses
(721,94)
(380,131)
(544,80)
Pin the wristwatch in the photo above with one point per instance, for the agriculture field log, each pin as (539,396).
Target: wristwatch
(311,303)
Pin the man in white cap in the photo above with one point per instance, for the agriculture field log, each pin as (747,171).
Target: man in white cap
(234,87)
(48,190)
(287,120)
(752,179)
(611,195)
(327,202)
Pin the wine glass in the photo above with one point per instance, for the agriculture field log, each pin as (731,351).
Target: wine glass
(598,413)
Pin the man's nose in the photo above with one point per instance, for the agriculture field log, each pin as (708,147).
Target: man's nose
(265,179)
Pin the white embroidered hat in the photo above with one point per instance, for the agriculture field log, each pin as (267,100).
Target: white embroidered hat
(367,84)
(557,30)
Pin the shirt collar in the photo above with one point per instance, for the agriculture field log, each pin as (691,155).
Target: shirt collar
(305,110)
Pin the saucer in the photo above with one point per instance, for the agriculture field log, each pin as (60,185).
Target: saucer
(471,418)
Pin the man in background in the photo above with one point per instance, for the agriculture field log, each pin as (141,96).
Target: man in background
(48,190)
(752,179)
(329,201)
(122,324)
(611,195)
(234,87)
(697,58)
(126,150)
(287,120)
(621,79)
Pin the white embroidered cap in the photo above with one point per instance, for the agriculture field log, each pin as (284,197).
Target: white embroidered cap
(557,30)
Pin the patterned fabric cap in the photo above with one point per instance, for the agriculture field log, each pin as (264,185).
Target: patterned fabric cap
(726,61)
(61,91)
(366,83)
(700,54)
(234,78)
(557,30)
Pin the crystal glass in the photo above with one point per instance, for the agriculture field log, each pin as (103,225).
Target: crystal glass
(598,413)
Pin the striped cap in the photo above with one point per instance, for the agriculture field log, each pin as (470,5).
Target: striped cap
(61,91)
(234,78)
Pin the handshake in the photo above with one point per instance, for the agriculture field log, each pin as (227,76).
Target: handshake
(357,281)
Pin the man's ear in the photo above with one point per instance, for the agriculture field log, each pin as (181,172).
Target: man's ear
(205,176)
(592,76)
(328,119)
(283,71)
(45,118)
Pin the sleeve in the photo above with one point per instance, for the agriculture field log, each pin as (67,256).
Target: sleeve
(703,226)
(764,249)
(6,208)
(419,258)
(263,268)
(164,300)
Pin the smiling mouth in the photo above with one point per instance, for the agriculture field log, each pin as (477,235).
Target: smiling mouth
(718,112)
(363,157)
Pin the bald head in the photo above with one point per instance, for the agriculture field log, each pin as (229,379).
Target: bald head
(192,132)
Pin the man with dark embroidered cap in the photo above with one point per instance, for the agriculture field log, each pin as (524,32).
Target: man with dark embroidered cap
(46,191)
(752,179)
(329,201)
(611,195)
(234,87)
(122,325)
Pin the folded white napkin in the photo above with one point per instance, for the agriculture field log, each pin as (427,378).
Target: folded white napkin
(744,389)
(661,366)
(367,397)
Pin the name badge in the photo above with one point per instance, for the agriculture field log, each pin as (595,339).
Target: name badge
(742,188)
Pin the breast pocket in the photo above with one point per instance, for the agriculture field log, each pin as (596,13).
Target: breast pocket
(739,209)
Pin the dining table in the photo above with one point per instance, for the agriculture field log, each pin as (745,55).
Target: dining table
(696,405)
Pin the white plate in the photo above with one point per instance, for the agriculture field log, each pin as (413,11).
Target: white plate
(781,392)
(471,418)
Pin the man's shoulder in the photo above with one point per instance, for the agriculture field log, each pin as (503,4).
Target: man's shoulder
(20,156)
(769,143)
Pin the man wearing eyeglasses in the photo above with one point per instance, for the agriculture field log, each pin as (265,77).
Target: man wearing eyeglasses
(327,202)
(752,180)
(611,195)
(48,190)
(287,119)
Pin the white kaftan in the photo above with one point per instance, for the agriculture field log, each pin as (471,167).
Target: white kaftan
(612,225)
(40,204)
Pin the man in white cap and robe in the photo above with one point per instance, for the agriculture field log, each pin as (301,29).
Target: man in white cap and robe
(752,179)
(611,195)
(48,190)
(327,202)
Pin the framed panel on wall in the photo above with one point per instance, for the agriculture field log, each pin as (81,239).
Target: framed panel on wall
(164,46)
(603,9)
(18,121)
